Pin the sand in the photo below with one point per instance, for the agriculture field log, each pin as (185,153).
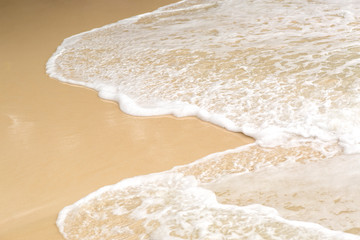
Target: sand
(59,142)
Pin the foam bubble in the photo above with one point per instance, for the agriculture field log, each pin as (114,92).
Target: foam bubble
(171,206)
(323,192)
(286,73)
(276,69)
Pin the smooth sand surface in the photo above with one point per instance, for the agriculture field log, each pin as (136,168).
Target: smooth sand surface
(59,142)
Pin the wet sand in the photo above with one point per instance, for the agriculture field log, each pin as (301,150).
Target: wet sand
(59,142)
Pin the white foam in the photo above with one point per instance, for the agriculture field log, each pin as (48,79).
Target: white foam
(323,192)
(275,69)
(285,73)
(170,204)
(186,211)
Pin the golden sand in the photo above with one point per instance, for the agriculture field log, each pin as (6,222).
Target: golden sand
(59,142)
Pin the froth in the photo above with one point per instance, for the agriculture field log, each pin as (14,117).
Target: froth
(286,73)
(182,203)
(171,206)
(258,67)
(323,192)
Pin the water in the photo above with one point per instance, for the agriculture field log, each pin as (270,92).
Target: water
(284,72)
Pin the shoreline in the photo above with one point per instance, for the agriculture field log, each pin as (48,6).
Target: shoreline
(62,142)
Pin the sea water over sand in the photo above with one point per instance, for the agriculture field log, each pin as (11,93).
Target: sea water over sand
(284,72)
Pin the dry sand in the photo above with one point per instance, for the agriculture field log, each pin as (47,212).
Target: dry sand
(59,142)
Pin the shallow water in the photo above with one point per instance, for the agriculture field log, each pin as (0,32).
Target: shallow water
(284,72)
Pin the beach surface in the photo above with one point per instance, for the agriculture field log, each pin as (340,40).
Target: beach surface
(60,142)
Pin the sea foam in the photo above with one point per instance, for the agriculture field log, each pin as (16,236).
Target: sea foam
(284,72)
(278,69)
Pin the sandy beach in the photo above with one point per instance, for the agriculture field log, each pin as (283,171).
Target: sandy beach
(60,142)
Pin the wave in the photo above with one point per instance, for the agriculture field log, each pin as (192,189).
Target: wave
(284,72)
